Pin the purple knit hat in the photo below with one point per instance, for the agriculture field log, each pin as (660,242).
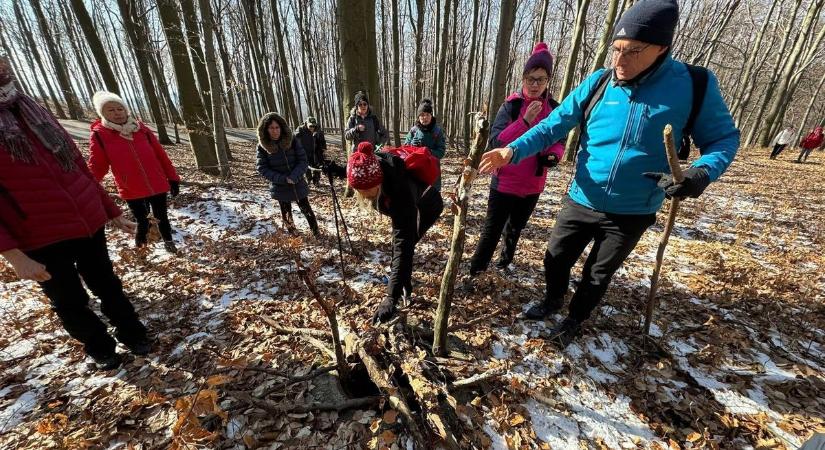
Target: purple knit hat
(540,59)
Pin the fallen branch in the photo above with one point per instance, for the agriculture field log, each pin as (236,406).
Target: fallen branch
(302,408)
(479,378)
(291,330)
(314,374)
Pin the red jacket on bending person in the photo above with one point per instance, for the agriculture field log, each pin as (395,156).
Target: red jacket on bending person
(140,166)
(812,140)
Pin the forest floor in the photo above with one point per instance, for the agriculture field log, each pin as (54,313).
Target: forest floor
(741,324)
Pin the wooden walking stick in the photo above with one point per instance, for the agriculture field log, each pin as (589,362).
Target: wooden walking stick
(678,177)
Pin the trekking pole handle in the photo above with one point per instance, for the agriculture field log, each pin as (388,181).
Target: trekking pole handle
(672,156)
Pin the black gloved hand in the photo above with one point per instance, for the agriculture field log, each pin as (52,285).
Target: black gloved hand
(174,188)
(385,311)
(548,160)
(695,182)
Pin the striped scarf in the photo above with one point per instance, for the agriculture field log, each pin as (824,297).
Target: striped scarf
(40,121)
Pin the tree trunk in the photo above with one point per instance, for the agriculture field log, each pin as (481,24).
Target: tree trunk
(539,37)
(807,28)
(190,22)
(93,40)
(77,47)
(140,39)
(445,296)
(229,78)
(575,46)
(75,111)
(507,19)
(419,35)
(265,84)
(194,114)
(33,50)
(396,68)
(218,130)
(743,81)
(466,119)
(442,61)
(286,91)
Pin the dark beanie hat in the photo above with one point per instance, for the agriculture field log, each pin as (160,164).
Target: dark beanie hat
(426,106)
(650,21)
(360,96)
(540,59)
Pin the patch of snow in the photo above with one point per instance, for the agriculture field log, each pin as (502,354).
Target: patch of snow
(13,414)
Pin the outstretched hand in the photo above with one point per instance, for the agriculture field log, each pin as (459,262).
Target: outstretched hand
(125,225)
(495,159)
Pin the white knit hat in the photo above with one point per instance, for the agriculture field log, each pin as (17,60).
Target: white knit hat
(102,97)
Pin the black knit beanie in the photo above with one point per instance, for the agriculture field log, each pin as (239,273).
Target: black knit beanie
(650,21)
(426,106)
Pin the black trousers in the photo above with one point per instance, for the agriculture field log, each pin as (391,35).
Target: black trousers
(405,236)
(306,210)
(614,236)
(777,149)
(803,155)
(68,261)
(140,209)
(506,212)
(313,176)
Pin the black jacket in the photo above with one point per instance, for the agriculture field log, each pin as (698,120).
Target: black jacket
(277,167)
(413,208)
(314,143)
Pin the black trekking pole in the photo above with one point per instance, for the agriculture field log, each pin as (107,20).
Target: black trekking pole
(335,211)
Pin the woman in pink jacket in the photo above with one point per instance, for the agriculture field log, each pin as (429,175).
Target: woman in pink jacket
(142,169)
(515,189)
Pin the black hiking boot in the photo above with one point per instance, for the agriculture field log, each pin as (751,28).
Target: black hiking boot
(562,335)
(107,362)
(140,347)
(540,310)
(170,247)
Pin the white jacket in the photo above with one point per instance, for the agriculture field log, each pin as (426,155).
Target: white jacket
(784,137)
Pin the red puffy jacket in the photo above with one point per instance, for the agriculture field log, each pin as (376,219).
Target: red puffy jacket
(41,204)
(812,140)
(141,167)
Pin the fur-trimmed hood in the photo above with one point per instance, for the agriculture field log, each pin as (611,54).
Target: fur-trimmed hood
(284,143)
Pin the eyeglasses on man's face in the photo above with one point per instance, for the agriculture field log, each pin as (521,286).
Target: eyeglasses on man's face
(630,53)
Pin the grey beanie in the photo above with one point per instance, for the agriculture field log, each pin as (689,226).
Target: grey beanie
(650,21)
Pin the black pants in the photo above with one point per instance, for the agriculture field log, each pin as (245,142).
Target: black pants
(313,176)
(306,210)
(506,212)
(777,149)
(405,236)
(140,209)
(803,155)
(614,236)
(68,261)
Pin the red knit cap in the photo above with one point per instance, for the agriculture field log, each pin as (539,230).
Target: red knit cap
(540,59)
(363,168)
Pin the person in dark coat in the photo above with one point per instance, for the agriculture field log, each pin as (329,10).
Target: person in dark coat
(382,180)
(363,124)
(282,161)
(52,226)
(427,133)
(311,137)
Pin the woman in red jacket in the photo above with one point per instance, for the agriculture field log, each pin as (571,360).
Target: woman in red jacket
(142,169)
(52,221)
(813,140)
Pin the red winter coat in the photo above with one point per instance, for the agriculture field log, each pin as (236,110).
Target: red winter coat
(141,167)
(813,140)
(41,204)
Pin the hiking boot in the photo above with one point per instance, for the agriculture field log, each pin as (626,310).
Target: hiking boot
(170,247)
(107,362)
(540,310)
(140,242)
(562,335)
(503,265)
(140,347)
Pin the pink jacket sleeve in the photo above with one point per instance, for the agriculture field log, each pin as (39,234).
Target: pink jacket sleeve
(98,161)
(165,162)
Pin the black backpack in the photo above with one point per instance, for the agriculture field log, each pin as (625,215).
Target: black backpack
(699,78)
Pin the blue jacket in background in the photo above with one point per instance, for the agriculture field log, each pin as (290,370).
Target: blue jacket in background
(623,137)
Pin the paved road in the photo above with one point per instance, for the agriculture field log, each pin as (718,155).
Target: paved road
(79,130)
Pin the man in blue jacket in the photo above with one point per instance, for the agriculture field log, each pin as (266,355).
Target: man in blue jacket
(621,170)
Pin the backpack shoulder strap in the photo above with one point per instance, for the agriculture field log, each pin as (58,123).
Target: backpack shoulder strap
(515,108)
(699,81)
(597,94)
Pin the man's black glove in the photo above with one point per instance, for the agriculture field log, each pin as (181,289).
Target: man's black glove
(174,188)
(695,182)
(385,311)
(332,169)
